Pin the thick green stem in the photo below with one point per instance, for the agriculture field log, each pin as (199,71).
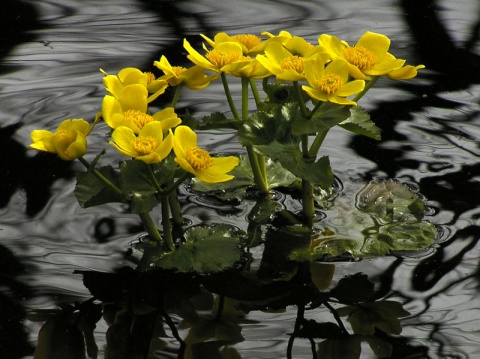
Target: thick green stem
(228,94)
(176,95)
(256,94)
(257,162)
(367,87)
(167,227)
(150,227)
(317,143)
(308,202)
(175,208)
(301,103)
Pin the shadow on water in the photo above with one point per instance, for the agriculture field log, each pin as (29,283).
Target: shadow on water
(456,191)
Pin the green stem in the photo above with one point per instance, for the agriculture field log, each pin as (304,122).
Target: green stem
(176,95)
(167,227)
(308,202)
(256,94)
(177,183)
(229,96)
(301,103)
(257,162)
(154,179)
(100,176)
(317,143)
(150,227)
(175,208)
(367,87)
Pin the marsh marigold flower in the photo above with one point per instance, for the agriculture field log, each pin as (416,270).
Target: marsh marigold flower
(251,44)
(283,64)
(330,83)
(194,77)
(369,56)
(133,76)
(68,142)
(149,146)
(130,110)
(198,161)
(296,45)
(225,57)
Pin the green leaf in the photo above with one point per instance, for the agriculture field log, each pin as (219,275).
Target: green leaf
(326,117)
(390,201)
(318,173)
(263,128)
(322,274)
(277,176)
(217,120)
(206,250)
(360,123)
(138,185)
(380,347)
(91,191)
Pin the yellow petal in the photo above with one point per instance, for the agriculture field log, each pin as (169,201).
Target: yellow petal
(198,59)
(351,88)
(168,117)
(134,97)
(404,73)
(377,43)
(183,139)
(122,141)
(152,129)
(113,84)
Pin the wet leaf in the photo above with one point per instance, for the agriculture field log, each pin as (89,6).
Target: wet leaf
(390,201)
(324,330)
(380,347)
(206,249)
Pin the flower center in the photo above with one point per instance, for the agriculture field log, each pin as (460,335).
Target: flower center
(292,63)
(249,40)
(177,70)
(330,83)
(359,56)
(140,119)
(144,145)
(221,58)
(150,77)
(199,159)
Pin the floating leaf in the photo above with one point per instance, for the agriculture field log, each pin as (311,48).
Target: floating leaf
(322,274)
(206,249)
(390,201)
(360,123)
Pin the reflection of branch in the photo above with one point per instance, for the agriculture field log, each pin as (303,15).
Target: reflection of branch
(475,36)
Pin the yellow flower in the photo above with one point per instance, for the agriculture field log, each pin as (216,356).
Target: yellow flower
(404,73)
(194,77)
(251,44)
(225,57)
(283,64)
(132,76)
(369,56)
(131,111)
(68,142)
(149,146)
(296,45)
(253,70)
(197,161)
(330,83)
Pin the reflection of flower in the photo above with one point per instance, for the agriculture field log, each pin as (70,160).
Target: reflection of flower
(382,315)
(194,77)
(68,142)
(225,57)
(149,146)
(132,76)
(132,114)
(198,161)
(330,83)
(369,56)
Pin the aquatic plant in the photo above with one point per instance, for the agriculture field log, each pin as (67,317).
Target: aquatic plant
(307,90)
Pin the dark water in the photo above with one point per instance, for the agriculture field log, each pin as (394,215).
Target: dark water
(51,53)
